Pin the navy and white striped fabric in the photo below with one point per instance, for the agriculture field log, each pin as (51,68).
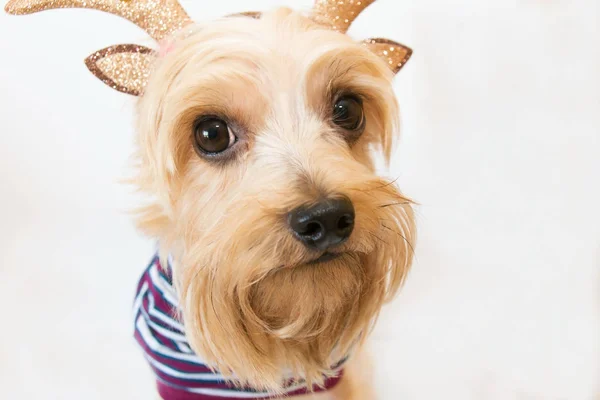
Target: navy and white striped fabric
(180,374)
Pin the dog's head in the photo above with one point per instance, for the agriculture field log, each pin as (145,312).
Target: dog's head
(256,138)
(256,141)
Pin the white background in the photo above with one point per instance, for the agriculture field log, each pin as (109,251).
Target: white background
(501,112)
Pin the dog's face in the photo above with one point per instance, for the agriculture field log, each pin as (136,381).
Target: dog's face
(255,140)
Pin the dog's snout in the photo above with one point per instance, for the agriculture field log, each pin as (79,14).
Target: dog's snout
(324,225)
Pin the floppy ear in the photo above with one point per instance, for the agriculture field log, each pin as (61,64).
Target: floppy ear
(394,54)
(124,67)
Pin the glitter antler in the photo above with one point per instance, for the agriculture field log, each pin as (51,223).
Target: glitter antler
(159,18)
(339,15)
(124,67)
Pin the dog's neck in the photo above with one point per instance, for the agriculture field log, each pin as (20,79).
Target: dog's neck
(181,373)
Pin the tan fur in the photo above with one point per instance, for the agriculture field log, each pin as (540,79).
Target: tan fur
(251,305)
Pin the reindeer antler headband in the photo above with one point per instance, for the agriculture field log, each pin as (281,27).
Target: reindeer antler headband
(125,67)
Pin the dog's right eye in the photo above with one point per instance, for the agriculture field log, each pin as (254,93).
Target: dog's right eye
(212,136)
(348,114)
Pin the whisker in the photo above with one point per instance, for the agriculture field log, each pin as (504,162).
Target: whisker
(394,204)
(378,187)
(389,183)
(378,238)
(365,191)
(402,236)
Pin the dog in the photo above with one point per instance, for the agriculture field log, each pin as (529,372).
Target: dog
(257,136)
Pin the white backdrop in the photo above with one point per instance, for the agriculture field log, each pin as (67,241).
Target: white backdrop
(501,112)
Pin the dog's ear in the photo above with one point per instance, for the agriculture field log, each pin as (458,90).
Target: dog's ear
(123,67)
(394,54)
(339,15)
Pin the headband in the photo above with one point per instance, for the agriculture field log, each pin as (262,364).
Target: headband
(125,67)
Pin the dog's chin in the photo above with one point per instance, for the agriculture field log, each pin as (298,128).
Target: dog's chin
(325,257)
(310,297)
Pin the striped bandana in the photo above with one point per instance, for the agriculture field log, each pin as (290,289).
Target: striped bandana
(181,374)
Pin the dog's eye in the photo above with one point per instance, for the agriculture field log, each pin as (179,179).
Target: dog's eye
(348,113)
(212,136)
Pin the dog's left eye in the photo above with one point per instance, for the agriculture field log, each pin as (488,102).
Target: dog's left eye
(348,113)
(212,136)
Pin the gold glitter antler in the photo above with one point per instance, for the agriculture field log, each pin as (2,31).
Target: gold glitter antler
(124,67)
(159,18)
(339,15)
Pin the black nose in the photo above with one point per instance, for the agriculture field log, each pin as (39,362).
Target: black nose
(324,225)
